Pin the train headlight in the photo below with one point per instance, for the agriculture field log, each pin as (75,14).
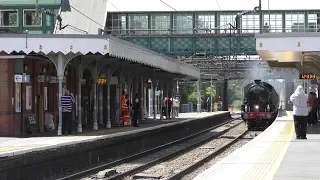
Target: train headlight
(256,107)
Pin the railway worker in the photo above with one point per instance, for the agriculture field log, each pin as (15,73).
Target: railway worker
(300,112)
(136,111)
(124,107)
(67,100)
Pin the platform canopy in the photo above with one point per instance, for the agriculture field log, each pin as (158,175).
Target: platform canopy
(298,50)
(93,44)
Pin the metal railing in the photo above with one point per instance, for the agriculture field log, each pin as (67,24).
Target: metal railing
(206,32)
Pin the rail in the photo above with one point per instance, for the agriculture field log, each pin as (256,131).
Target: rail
(142,154)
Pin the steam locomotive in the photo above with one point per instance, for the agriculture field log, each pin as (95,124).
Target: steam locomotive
(260,105)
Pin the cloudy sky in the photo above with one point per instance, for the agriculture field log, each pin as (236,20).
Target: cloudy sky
(179,5)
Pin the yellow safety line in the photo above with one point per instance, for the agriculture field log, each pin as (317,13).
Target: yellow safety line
(281,155)
(270,160)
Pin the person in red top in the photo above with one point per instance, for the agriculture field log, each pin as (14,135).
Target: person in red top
(169,107)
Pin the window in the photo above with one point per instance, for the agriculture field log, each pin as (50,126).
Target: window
(272,22)
(160,23)
(9,18)
(250,23)
(313,22)
(183,24)
(31,18)
(205,21)
(138,24)
(224,20)
(295,22)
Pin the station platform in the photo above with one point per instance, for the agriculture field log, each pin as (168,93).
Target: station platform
(274,154)
(55,157)
(14,146)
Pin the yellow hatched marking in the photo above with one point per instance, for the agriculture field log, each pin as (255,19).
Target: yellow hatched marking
(267,165)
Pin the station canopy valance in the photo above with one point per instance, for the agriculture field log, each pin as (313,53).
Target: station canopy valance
(92,44)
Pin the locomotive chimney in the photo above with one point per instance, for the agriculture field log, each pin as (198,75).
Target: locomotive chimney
(257,81)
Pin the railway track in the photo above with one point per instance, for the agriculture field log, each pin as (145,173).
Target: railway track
(177,164)
(128,167)
(88,172)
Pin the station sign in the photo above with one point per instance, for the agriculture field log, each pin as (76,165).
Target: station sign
(42,78)
(19,78)
(101,81)
(308,76)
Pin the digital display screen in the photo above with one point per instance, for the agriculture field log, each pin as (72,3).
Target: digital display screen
(308,76)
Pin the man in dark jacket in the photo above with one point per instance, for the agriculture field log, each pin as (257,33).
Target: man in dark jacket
(136,110)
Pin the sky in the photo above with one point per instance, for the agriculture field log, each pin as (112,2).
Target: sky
(210,5)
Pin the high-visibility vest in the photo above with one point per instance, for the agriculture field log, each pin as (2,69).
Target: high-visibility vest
(124,106)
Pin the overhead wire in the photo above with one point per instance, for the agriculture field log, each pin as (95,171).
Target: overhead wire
(81,30)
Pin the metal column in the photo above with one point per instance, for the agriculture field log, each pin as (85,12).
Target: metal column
(95,113)
(100,104)
(225,95)
(199,96)
(108,98)
(141,98)
(60,74)
(80,74)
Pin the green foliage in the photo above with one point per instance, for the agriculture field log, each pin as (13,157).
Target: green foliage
(188,92)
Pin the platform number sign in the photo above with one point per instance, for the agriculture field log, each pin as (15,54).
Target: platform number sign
(308,76)
(101,81)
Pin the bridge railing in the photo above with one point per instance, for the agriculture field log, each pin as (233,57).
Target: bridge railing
(207,32)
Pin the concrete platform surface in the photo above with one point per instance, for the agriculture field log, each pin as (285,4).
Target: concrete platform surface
(17,146)
(302,159)
(257,160)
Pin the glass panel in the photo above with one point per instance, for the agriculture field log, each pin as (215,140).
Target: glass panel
(9,18)
(224,20)
(138,24)
(118,23)
(56,11)
(182,24)
(31,18)
(48,19)
(205,22)
(160,23)
(35,32)
(313,22)
(295,22)
(250,23)
(272,22)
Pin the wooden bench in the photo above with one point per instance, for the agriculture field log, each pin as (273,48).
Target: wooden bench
(33,126)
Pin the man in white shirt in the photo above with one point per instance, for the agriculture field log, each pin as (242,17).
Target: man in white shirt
(300,112)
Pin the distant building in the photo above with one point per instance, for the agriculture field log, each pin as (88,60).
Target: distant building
(20,15)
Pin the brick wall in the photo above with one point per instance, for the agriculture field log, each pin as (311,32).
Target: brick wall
(7,123)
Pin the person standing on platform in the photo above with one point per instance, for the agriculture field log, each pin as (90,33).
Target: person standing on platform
(300,112)
(169,107)
(164,106)
(208,104)
(67,100)
(136,111)
(124,107)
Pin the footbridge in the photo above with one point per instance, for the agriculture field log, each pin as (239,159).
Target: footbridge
(209,39)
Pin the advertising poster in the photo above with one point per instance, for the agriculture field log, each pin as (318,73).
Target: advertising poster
(45,98)
(17,97)
(28,97)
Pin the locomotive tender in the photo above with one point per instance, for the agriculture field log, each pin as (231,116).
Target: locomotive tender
(260,105)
